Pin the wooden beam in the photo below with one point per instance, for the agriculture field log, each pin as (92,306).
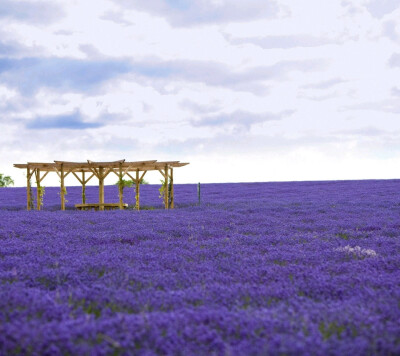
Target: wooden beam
(69,164)
(101,188)
(84,187)
(58,172)
(37,173)
(116,173)
(120,188)
(162,173)
(44,175)
(114,164)
(28,188)
(126,170)
(171,176)
(31,174)
(87,180)
(133,179)
(94,171)
(107,172)
(76,176)
(137,186)
(68,172)
(62,192)
(42,166)
(166,198)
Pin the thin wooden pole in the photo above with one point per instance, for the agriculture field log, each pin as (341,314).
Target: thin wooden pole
(137,186)
(101,187)
(37,188)
(172,188)
(62,193)
(198,192)
(28,188)
(166,188)
(83,188)
(120,188)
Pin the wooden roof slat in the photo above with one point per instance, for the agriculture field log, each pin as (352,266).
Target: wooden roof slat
(40,165)
(70,163)
(105,164)
(149,165)
(137,163)
(167,162)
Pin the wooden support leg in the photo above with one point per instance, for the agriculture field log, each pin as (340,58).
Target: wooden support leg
(137,186)
(172,188)
(101,188)
(62,193)
(166,197)
(37,188)
(28,189)
(83,188)
(120,188)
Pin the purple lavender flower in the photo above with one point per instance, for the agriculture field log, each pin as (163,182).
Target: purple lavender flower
(307,268)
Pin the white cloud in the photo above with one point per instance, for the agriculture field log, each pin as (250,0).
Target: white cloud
(307,90)
(325,84)
(284,42)
(394,60)
(379,8)
(395,91)
(390,31)
(387,105)
(37,12)
(190,13)
(239,119)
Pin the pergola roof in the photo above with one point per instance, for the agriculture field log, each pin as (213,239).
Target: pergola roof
(101,171)
(151,165)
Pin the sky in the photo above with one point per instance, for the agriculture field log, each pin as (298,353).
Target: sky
(246,91)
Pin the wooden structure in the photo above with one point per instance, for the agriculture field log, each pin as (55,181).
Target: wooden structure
(85,171)
(97,206)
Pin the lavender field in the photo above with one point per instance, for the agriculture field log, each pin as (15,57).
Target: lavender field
(258,269)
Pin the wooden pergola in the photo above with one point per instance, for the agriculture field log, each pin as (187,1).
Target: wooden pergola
(85,171)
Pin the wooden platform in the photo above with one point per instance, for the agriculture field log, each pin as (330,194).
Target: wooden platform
(96,206)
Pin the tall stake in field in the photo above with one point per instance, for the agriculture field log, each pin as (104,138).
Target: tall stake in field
(198,192)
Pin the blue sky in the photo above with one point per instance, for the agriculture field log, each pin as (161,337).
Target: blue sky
(256,90)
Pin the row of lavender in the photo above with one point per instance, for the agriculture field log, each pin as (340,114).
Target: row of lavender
(263,268)
(232,194)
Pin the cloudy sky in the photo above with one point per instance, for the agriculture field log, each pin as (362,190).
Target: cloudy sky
(255,90)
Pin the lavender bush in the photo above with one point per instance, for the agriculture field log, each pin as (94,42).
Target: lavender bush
(265,268)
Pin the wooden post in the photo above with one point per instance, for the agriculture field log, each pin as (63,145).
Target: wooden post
(172,188)
(198,192)
(28,188)
(101,188)
(166,197)
(62,193)
(37,188)
(120,188)
(83,188)
(137,186)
